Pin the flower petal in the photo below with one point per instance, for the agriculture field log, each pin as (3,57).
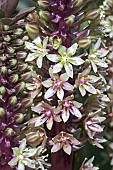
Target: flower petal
(76,112)
(61,50)
(65,115)
(47,83)
(45,41)
(49,123)
(56,147)
(82,90)
(94,66)
(30,57)
(69,69)
(67,86)
(21,166)
(90,89)
(39,61)
(76,61)
(53,57)
(22,145)
(30,46)
(57,68)
(64,77)
(38,108)
(60,94)
(38,41)
(49,93)
(67,148)
(16,151)
(40,120)
(72,50)
(13,162)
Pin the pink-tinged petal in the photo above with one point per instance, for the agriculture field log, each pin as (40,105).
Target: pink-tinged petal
(90,134)
(40,120)
(53,57)
(67,86)
(75,141)
(49,93)
(57,68)
(76,112)
(39,61)
(47,83)
(96,128)
(82,90)
(57,118)
(60,94)
(38,108)
(69,69)
(65,115)
(90,89)
(64,77)
(56,147)
(77,104)
(30,57)
(49,123)
(58,109)
(67,148)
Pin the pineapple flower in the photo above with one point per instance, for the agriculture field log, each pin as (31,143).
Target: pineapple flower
(88,165)
(65,58)
(56,84)
(48,115)
(69,106)
(96,56)
(35,85)
(64,140)
(38,50)
(22,156)
(92,123)
(85,81)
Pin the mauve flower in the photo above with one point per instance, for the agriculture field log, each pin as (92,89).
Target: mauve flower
(38,50)
(48,115)
(57,84)
(64,140)
(92,123)
(66,59)
(85,81)
(88,165)
(69,106)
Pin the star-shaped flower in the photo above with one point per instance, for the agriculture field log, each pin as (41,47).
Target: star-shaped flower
(47,115)
(38,50)
(85,81)
(64,140)
(21,156)
(66,59)
(69,106)
(57,84)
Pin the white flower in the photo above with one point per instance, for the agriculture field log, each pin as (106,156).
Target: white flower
(38,50)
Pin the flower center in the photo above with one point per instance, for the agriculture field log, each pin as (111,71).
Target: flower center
(89,123)
(48,112)
(58,83)
(41,134)
(82,80)
(63,138)
(20,157)
(67,104)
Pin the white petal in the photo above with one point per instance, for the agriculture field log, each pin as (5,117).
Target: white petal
(29,163)
(64,77)
(77,61)
(76,112)
(49,93)
(37,41)
(13,162)
(22,145)
(57,68)
(67,148)
(47,83)
(82,90)
(90,89)
(77,104)
(38,108)
(61,50)
(69,69)
(94,66)
(67,86)
(40,120)
(30,46)
(16,151)
(21,166)
(39,61)
(49,123)
(56,147)
(65,115)
(53,57)
(30,57)
(97,45)
(72,50)
(45,42)
(60,94)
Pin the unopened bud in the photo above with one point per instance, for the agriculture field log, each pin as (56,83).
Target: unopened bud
(77,3)
(14,78)
(3,69)
(32,30)
(21,55)
(18,42)
(19,117)
(84,42)
(26,76)
(18,31)
(13,100)
(43,4)
(22,67)
(6,27)
(110,3)
(3,58)
(2,112)
(55,41)
(9,132)
(70,20)
(19,87)
(13,62)
(45,15)
(2,90)
(92,14)
(33,137)
(27,102)
(7,38)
